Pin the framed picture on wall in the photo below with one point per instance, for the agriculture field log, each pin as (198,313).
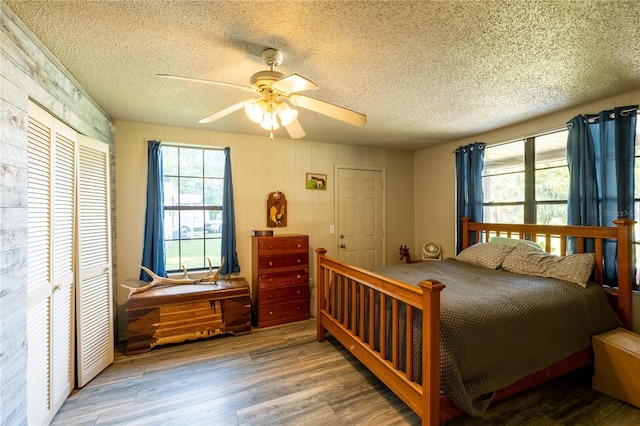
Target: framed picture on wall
(316,181)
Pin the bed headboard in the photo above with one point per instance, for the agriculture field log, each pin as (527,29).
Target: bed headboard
(473,232)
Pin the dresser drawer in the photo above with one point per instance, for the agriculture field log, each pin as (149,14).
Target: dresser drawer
(284,312)
(283,261)
(272,245)
(283,294)
(278,279)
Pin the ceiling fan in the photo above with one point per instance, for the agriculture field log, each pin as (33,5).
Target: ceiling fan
(276,91)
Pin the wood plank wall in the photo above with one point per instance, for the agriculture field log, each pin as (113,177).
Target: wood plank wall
(28,71)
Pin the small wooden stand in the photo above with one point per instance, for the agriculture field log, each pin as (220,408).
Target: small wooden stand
(176,313)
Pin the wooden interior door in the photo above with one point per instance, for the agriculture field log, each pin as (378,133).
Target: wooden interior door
(360,216)
(51,154)
(94,317)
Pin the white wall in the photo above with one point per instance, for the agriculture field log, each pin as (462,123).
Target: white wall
(259,166)
(435,173)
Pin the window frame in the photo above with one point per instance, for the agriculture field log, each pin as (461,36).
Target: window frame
(178,239)
(529,168)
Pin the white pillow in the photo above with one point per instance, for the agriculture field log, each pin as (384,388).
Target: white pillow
(484,254)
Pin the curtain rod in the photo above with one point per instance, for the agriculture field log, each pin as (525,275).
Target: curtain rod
(522,137)
(595,118)
(481,146)
(187,145)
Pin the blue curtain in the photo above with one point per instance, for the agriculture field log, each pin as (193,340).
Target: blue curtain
(469,162)
(228,220)
(600,153)
(153,256)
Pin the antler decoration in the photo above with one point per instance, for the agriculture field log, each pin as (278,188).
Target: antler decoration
(211,277)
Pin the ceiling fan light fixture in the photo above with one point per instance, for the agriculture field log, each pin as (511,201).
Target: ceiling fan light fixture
(287,115)
(270,121)
(254,111)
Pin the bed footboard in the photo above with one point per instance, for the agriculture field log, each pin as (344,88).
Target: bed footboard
(373,317)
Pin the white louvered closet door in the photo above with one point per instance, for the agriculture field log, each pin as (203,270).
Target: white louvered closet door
(51,153)
(95,334)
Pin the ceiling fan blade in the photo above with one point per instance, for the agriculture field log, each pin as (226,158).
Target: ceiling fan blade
(330,110)
(198,80)
(217,115)
(293,83)
(295,130)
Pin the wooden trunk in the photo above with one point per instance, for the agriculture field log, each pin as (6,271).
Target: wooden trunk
(176,313)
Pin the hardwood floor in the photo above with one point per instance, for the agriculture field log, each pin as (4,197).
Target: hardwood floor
(282,376)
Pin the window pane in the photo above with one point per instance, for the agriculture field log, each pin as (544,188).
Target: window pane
(213,250)
(191,161)
(213,192)
(171,225)
(552,184)
(503,188)
(192,254)
(191,192)
(170,161)
(213,224)
(170,191)
(551,214)
(551,149)
(636,227)
(636,178)
(504,158)
(189,220)
(172,255)
(214,163)
(504,214)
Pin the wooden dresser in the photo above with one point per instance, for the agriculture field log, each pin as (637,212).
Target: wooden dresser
(280,279)
(176,313)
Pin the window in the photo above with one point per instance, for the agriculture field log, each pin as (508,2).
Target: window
(193,186)
(636,210)
(527,181)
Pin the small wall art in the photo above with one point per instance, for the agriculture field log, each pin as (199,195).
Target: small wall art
(316,181)
(276,210)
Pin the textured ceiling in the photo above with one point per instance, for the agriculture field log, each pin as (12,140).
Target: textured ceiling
(424,72)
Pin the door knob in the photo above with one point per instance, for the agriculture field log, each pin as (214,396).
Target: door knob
(342,246)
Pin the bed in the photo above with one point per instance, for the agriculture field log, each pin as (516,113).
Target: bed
(401,322)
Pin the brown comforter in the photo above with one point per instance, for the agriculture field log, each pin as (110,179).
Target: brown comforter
(497,327)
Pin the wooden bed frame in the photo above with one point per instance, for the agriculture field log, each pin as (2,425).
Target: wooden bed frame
(426,400)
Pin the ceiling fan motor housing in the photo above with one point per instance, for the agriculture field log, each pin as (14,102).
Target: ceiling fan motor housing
(263,79)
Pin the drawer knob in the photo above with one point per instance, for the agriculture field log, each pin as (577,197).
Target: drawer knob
(298,291)
(271,296)
(298,260)
(298,307)
(270,263)
(270,313)
(298,276)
